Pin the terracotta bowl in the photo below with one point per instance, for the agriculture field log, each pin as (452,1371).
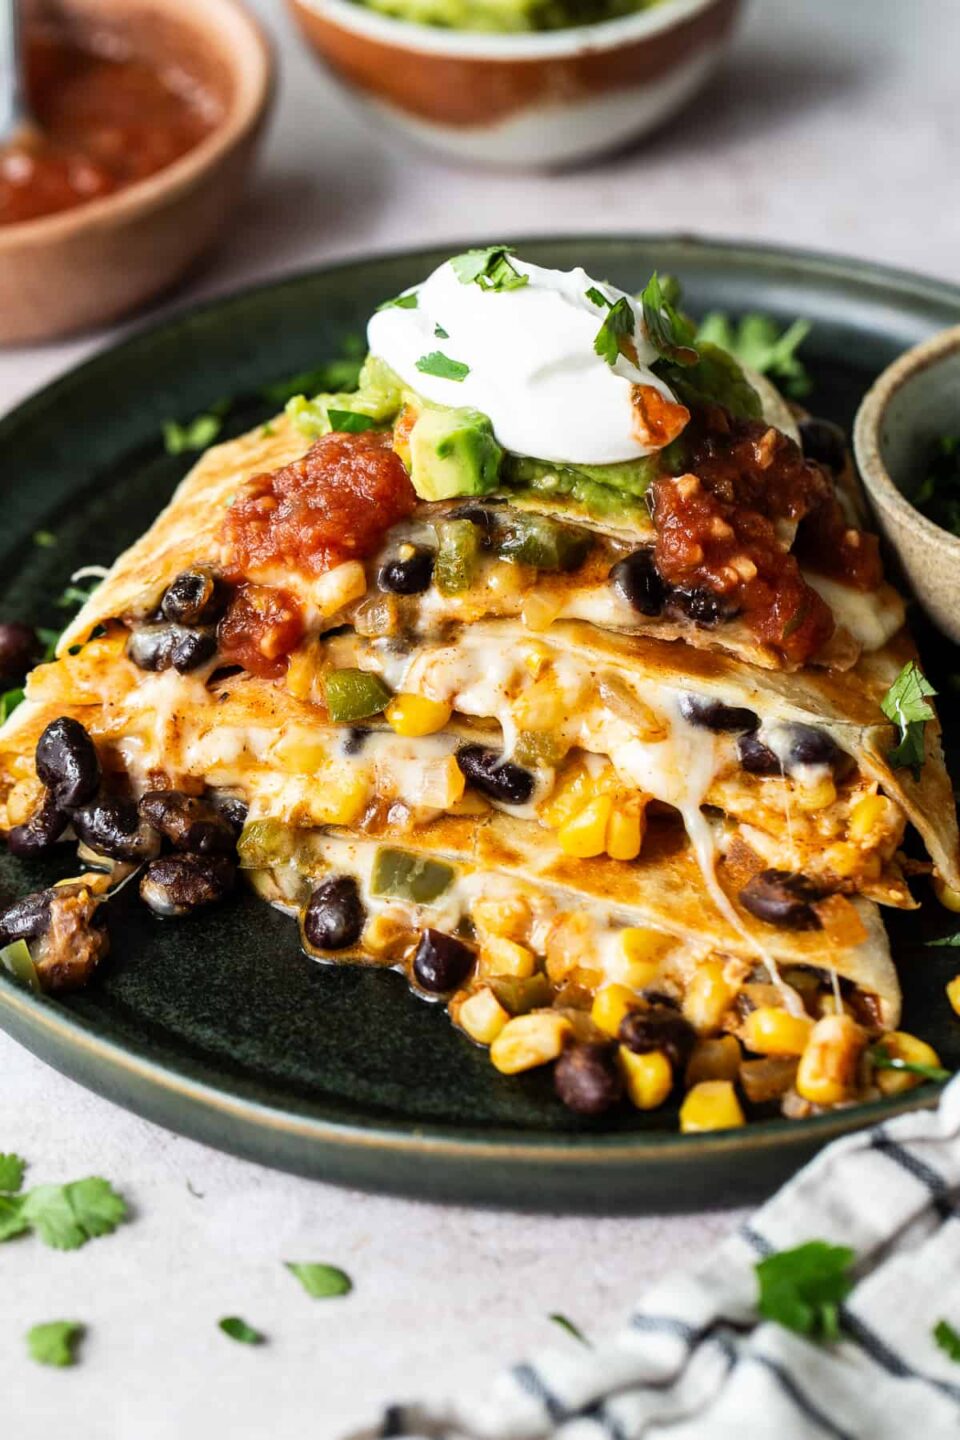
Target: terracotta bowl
(543,99)
(86,266)
(914,402)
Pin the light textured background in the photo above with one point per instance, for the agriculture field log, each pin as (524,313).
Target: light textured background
(836,125)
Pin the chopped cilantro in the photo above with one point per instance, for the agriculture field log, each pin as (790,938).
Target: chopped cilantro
(436,363)
(802,1289)
(44,538)
(350,422)
(74,596)
(491,269)
(883,1060)
(440,333)
(953,940)
(596,297)
(9,701)
(196,434)
(321,1282)
(669,331)
(238,1329)
(49,639)
(757,341)
(63,1216)
(339,375)
(408,301)
(620,322)
(906,703)
(571,1329)
(55,1343)
(948,1339)
(12,1168)
(938,494)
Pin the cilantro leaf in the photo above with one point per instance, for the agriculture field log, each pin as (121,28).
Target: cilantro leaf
(338,375)
(596,297)
(9,701)
(952,940)
(883,1060)
(12,1222)
(349,422)
(906,703)
(948,1339)
(619,323)
(11,1172)
(238,1329)
(756,341)
(436,363)
(409,301)
(571,1329)
(196,434)
(67,1216)
(45,539)
(803,1288)
(49,639)
(938,493)
(322,1282)
(440,333)
(490,268)
(55,1343)
(669,331)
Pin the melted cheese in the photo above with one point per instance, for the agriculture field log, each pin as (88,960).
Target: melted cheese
(873,617)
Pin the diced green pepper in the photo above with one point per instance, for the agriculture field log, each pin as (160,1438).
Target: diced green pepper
(265,843)
(458,556)
(354,695)
(409,876)
(545,543)
(17,959)
(535,748)
(521,996)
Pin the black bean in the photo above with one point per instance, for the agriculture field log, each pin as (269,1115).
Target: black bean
(19,651)
(702,606)
(176,884)
(806,745)
(171,647)
(782,898)
(489,773)
(482,516)
(26,918)
(334,915)
(587,1079)
(662,1027)
(354,739)
(441,963)
(114,828)
(408,577)
(637,580)
(41,832)
(195,597)
(756,757)
(188,822)
(67,762)
(822,440)
(231,809)
(714,715)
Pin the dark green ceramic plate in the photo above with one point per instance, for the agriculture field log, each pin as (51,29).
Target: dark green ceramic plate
(217,1026)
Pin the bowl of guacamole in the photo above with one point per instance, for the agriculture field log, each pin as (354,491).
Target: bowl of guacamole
(529,84)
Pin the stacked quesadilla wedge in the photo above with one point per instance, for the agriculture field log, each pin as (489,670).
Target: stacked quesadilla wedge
(553,666)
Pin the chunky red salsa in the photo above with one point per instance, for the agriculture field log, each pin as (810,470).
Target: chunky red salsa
(106,121)
(261,627)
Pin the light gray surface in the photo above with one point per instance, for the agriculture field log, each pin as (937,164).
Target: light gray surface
(836,125)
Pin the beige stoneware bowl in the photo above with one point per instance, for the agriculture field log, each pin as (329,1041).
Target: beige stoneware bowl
(86,266)
(528,101)
(914,402)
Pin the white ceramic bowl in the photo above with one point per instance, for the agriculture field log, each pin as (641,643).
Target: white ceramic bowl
(531,100)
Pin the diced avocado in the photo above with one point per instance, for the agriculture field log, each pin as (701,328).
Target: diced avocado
(453,452)
(378,396)
(458,556)
(409,876)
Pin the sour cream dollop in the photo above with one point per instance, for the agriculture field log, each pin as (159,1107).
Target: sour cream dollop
(533,369)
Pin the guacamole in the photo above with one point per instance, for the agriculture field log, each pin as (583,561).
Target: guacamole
(508,16)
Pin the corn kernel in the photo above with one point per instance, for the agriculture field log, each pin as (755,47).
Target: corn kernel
(900,1045)
(529,1040)
(570,939)
(625,830)
(947,895)
(586,834)
(298,752)
(953,993)
(827,1073)
(714,1059)
(414,715)
(387,935)
(708,997)
(648,1078)
(711,1105)
(505,578)
(507,915)
(342,798)
(817,796)
(865,816)
(499,956)
(482,1016)
(610,1004)
(539,611)
(644,947)
(576,786)
(769,1030)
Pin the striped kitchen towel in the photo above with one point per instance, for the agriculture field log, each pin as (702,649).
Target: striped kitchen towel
(695,1362)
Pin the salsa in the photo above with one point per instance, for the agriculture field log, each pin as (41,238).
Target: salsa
(336,503)
(107,120)
(261,627)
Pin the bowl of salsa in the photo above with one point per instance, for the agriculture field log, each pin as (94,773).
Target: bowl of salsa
(147,115)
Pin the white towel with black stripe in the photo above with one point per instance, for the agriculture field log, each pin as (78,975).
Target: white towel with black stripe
(695,1361)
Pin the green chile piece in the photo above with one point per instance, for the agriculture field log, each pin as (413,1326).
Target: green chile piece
(266,843)
(521,996)
(458,556)
(354,695)
(545,543)
(409,876)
